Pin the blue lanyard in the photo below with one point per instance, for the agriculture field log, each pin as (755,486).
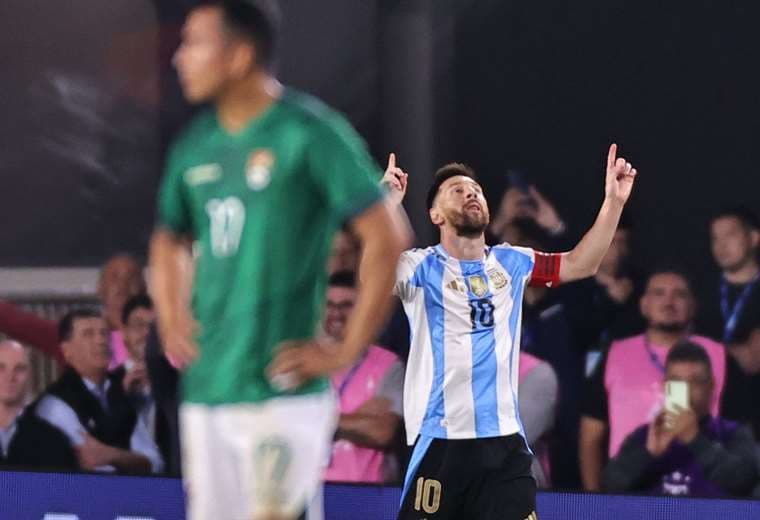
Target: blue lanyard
(731,316)
(652,356)
(349,376)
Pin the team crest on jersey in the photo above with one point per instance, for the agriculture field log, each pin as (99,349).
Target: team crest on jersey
(258,171)
(498,279)
(478,285)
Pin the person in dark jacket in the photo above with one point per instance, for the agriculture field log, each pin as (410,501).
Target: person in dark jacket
(90,405)
(686,451)
(26,441)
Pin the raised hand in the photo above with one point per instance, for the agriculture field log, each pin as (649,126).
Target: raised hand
(546,214)
(620,177)
(395,180)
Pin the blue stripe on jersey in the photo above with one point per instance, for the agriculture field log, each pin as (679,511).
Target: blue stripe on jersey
(420,448)
(436,410)
(483,360)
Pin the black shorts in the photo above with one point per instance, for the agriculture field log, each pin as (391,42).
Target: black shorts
(483,479)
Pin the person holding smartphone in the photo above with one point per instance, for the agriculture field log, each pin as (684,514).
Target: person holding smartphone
(684,450)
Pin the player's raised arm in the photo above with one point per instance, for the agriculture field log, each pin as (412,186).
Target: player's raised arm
(584,260)
(171,279)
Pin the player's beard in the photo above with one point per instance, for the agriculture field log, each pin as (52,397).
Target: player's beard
(469,225)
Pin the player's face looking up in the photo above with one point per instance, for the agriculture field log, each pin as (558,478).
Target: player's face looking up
(461,206)
(210,56)
(667,303)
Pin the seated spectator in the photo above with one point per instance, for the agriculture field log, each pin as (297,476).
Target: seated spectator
(735,242)
(370,394)
(25,440)
(120,278)
(538,407)
(90,406)
(686,452)
(743,374)
(625,390)
(137,318)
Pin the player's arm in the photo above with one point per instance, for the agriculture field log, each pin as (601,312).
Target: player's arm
(171,265)
(171,279)
(584,260)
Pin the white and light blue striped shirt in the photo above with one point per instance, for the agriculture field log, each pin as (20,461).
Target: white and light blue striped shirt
(465,319)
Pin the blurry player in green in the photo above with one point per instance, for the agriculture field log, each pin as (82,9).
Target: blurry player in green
(258,184)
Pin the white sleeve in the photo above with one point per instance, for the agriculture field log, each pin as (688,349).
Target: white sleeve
(63,417)
(538,401)
(405,272)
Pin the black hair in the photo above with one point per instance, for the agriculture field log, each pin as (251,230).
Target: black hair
(743,214)
(688,352)
(140,301)
(445,173)
(342,279)
(257,21)
(671,268)
(66,325)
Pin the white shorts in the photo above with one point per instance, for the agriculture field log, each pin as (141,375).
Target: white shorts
(244,460)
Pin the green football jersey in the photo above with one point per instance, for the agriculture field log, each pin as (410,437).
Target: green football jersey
(262,206)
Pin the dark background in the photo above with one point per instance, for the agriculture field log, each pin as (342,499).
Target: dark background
(89,102)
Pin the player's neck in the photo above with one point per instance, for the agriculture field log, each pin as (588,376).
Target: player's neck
(464,248)
(246,100)
(663,338)
(744,274)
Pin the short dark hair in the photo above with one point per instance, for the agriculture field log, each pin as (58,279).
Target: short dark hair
(342,279)
(743,214)
(66,325)
(671,268)
(140,301)
(445,173)
(688,352)
(257,21)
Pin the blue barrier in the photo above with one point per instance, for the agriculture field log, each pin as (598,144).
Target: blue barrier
(58,496)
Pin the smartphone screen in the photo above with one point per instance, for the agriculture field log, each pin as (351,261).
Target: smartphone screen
(676,395)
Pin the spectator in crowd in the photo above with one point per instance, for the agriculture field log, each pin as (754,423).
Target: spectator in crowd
(625,390)
(90,406)
(346,252)
(521,204)
(735,242)
(538,394)
(25,440)
(370,395)
(120,278)
(137,318)
(604,308)
(743,373)
(686,451)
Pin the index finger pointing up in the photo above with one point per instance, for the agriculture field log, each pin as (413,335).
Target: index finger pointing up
(611,156)
(391,160)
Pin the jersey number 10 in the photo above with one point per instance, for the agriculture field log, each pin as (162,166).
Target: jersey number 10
(481,313)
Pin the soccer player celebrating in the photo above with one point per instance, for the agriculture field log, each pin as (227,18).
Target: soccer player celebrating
(464,301)
(259,183)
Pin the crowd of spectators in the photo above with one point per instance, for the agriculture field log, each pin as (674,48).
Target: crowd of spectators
(595,358)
